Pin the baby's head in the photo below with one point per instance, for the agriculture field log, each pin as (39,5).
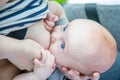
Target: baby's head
(83,45)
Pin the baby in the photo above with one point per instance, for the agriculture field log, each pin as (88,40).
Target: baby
(81,45)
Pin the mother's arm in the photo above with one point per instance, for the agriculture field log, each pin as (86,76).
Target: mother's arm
(19,52)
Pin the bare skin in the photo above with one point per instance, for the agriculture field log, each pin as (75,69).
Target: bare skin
(5,65)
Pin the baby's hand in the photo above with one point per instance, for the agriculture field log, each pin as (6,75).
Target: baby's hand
(50,20)
(44,67)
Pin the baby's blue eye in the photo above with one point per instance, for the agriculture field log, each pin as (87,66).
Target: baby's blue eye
(63,45)
(64,28)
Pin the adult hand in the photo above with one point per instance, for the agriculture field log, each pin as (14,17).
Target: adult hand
(27,51)
(75,75)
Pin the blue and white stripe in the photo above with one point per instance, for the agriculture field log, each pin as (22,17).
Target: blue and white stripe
(20,14)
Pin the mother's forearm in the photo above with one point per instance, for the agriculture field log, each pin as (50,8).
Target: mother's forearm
(8,46)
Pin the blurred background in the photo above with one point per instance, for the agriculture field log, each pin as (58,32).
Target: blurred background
(107,2)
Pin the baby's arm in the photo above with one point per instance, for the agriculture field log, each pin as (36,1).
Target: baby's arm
(42,68)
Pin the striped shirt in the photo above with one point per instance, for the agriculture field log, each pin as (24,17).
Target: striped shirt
(20,14)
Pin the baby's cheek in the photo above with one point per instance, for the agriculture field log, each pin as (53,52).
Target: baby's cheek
(54,48)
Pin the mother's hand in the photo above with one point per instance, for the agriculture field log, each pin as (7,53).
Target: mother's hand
(24,55)
(75,75)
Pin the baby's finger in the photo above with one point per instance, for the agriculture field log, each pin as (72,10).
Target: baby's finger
(50,24)
(53,62)
(52,17)
(36,62)
(50,63)
(44,56)
(55,19)
(51,59)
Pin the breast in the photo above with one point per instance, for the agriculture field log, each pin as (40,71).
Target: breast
(38,33)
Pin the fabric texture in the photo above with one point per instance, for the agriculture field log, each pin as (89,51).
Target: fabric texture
(57,75)
(20,14)
(19,34)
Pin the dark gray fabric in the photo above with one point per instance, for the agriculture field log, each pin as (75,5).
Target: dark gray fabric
(109,16)
(61,21)
(114,72)
(57,75)
(75,11)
